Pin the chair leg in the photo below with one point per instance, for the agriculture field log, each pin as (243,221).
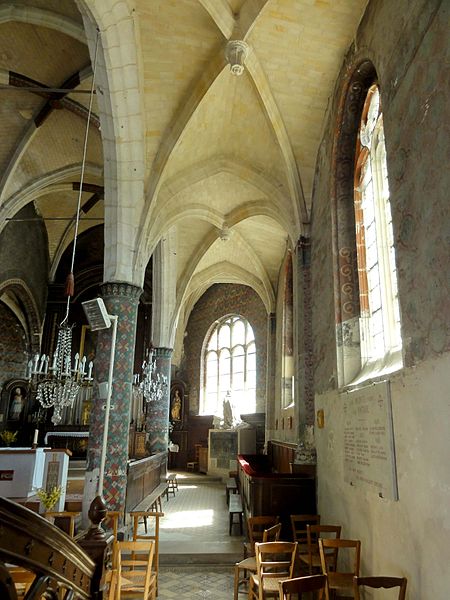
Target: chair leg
(236,582)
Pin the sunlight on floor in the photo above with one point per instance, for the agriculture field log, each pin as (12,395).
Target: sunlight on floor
(188,518)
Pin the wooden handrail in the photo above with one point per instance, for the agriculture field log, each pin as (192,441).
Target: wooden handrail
(32,543)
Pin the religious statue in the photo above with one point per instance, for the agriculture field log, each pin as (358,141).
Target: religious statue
(17,405)
(175,411)
(228,421)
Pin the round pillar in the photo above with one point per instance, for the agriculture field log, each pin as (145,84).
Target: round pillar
(121,299)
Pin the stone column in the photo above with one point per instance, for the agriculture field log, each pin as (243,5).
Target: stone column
(121,299)
(270,382)
(305,385)
(158,410)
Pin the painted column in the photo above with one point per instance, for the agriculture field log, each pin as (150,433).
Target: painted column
(121,299)
(158,410)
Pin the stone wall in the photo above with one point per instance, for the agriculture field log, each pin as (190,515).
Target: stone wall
(407,42)
(218,301)
(13,347)
(24,255)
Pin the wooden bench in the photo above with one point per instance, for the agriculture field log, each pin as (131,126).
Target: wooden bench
(152,502)
(172,484)
(231,488)
(235,508)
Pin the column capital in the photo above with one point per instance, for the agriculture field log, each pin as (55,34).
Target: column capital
(121,288)
(162,352)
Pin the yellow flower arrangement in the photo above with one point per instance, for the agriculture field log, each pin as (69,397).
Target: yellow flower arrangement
(49,499)
(8,437)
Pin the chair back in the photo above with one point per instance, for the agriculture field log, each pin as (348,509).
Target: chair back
(380,582)
(255,530)
(340,579)
(298,526)
(275,560)
(298,585)
(134,564)
(148,536)
(272,534)
(256,526)
(313,533)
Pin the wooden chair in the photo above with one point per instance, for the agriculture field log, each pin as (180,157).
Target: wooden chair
(255,531)
(339,580)
(380,582)
(312,557)
(111,580)
(148,536)
(22,580)
(113,517)
(298,526)
(134,564)
(274,563)
(298,585)
(249,564)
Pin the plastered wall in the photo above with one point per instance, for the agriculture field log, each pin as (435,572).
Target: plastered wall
(408,44)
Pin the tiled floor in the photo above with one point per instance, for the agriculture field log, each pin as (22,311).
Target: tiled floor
(197,554)
(196,583)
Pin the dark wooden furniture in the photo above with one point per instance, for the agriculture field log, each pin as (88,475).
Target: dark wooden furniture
(48,559)
(267,493)
(299,585)
(144,477)
(202,459)
(282,458)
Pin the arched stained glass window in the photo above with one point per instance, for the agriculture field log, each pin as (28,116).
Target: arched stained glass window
(229,365)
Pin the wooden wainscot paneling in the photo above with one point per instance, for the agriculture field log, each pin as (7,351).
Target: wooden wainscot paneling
(144,476)
(267,493)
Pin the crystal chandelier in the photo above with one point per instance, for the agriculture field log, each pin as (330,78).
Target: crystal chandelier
(153,384)
(58,385)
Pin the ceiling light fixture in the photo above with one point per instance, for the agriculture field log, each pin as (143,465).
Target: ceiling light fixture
(236,52)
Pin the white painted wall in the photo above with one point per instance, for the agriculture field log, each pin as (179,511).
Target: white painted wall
(410,537)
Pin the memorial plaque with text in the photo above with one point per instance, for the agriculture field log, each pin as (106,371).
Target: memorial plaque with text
(369,455)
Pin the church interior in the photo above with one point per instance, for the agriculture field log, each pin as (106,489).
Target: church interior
(224,249)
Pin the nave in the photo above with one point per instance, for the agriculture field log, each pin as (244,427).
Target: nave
(197,554)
